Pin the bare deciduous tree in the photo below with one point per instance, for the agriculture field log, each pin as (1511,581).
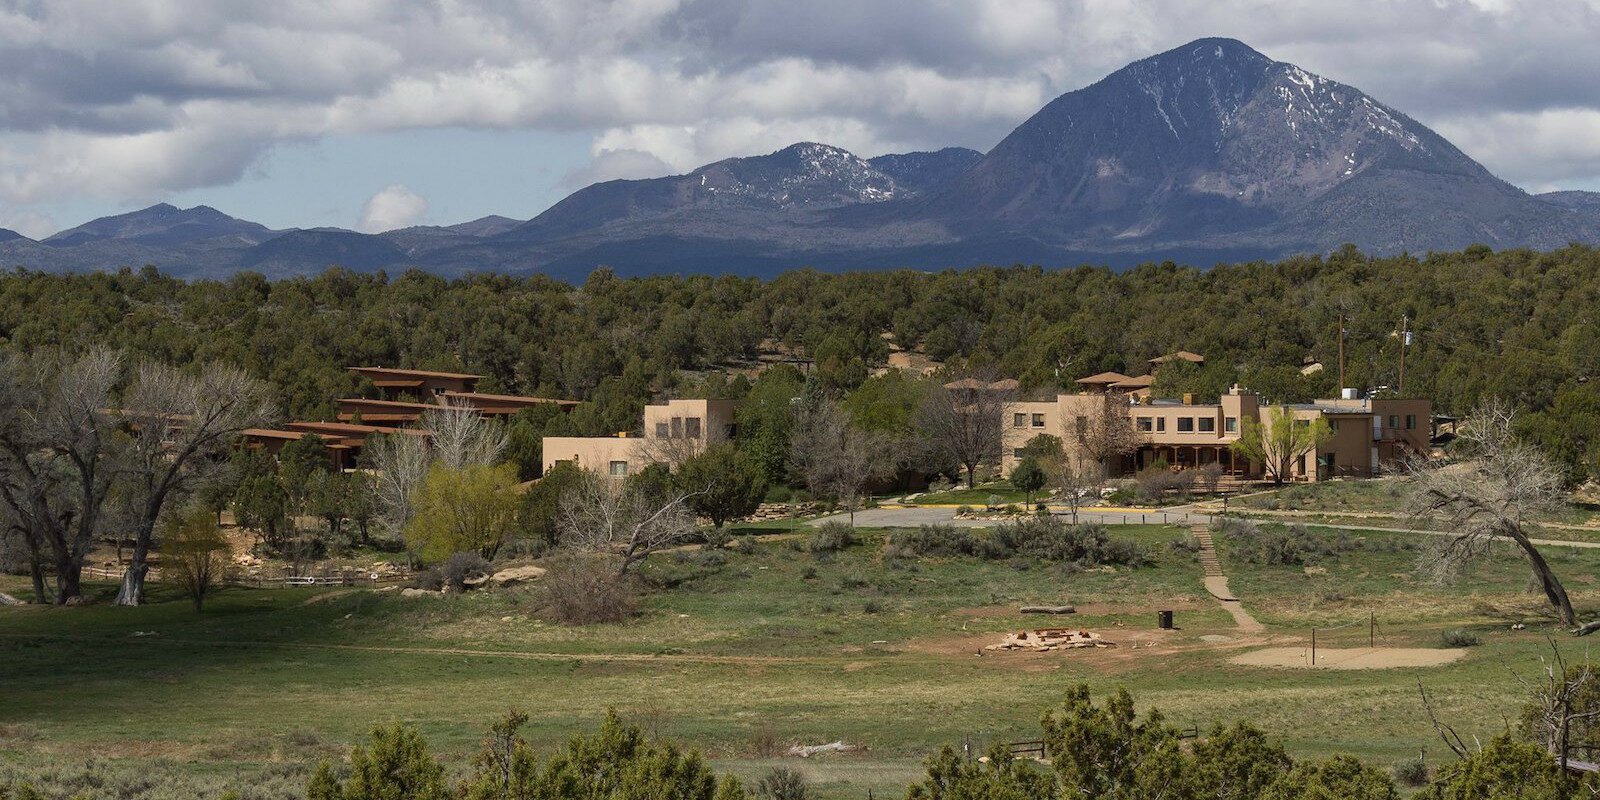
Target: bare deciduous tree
(1563,705)
(461,437)
(962,420)
(834,458)
(400,461)
(1490,496)
(181,423)
(58,443)
(1108,433)
(617,518)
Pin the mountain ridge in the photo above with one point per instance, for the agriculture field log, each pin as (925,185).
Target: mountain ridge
(1210,150)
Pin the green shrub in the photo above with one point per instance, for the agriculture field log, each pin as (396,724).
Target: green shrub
(1460,637)
(1045,538)
(1411,772)
(831,537)
(783,783)
(1292,546)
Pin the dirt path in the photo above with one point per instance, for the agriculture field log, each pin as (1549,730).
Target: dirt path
(1217,583)
(1348,658)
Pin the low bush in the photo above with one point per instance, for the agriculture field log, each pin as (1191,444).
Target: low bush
(1460,637)
(745,545)
(586,591)
(831,537)
(1291,546)
(455,571)
(1411,772)
(1039,538)
(783,783)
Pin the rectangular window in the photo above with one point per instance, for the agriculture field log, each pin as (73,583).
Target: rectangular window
(1019,420)
(619,469)
(1145,424)
(1411,422)
(1082,426)
(1038,420)
(1394,421)
(1161,424)
(1018,452)
(691,427)
(1185,424)
(677,427)
(1208,424)
(662,431)
(1230,424)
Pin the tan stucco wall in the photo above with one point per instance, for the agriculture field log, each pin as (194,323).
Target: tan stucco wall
(594,453)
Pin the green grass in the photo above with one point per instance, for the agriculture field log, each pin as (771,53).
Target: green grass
(775,642)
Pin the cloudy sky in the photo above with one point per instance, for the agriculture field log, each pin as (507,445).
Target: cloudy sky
(376,114)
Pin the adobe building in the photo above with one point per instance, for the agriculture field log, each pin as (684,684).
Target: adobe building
(668,431)
(1369,435)
(418,384)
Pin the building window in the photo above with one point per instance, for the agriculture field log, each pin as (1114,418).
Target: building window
(1019,420)
(1394,421)
(1208,424)
(1019,452)
(619,469)
(1161,424)
(1082,426)
(1144,424)
(1185,424)
(1230,424)
(677,427)
(691,427)
(662,431)
(1038,420)
(1411,422)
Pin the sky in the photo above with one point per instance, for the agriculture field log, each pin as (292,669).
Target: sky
(376,114)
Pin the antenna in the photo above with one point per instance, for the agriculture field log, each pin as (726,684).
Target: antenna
(1405,339)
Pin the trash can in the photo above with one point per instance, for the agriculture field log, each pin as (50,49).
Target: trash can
(1164,619)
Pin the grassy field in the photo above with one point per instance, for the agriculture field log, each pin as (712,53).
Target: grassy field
(750,648)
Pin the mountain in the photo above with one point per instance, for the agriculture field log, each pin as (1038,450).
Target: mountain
(7,235)
(924,171)
(164,225)
(1214,143)
(1586,202)
(801,176)
(1208,152)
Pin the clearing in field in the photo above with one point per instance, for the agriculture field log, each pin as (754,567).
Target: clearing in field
(1348,658)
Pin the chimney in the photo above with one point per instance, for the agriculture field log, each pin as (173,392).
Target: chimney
(1188,398)
(1349,393)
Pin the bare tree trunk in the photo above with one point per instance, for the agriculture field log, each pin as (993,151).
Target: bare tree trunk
(41,592)
(131,593)
(972,475)
(1553,590)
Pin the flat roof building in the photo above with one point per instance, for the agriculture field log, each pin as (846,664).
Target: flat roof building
(667,432)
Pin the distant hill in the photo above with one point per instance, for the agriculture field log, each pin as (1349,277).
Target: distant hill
(1208,152)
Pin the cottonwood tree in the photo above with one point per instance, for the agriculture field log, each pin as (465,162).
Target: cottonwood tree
(962,422)
(622,519)
(58,450)
(182,425)
(834,458)
(1279,440)
(400,463)
(1564,710)
(1492,495)
(1108,433)
(460,436)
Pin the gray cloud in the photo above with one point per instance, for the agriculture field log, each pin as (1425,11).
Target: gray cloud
(131,98)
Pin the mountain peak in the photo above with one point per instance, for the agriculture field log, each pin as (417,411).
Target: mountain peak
(162,224)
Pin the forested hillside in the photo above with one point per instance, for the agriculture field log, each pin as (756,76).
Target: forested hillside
(1517,325)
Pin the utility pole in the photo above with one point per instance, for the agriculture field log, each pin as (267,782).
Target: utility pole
(1405,339)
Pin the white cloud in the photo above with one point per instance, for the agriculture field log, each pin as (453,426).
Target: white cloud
(133,99)
(392,207)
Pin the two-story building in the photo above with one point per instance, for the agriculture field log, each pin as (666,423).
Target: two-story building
(1368,436)
(669,431)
